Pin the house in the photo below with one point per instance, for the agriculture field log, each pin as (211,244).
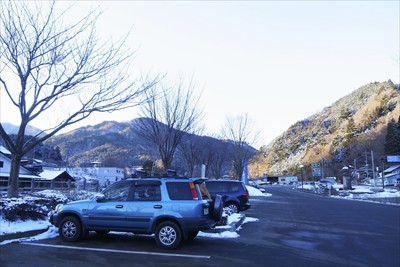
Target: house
(392,175)
(25,175)
(29,179)
(54,179)
(287,179)
(109,175)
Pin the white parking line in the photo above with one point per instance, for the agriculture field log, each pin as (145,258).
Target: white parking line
(121,251)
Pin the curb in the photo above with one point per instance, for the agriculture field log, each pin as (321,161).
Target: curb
(22,234)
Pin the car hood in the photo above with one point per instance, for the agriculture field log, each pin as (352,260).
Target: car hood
(78,203)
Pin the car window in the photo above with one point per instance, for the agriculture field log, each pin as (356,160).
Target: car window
(146,193)
(179,191)
(219,187)
(214,186)
(234,187)
(118,192)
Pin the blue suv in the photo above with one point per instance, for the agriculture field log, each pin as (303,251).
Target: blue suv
(174,209)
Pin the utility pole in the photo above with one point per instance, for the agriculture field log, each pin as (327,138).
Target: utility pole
(355,171)
(322,168)
(366,165)
(383,173)
(373,167)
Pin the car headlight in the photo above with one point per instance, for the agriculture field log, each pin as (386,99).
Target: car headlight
(59,207)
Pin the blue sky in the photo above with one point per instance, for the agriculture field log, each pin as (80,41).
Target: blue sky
(277,61)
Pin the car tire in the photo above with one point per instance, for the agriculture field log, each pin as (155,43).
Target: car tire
(233,207)
(168,235)
(70,229)
(217,208)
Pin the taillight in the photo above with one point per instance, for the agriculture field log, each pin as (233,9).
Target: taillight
(246,196)
(193,190)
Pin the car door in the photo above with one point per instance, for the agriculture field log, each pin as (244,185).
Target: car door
(109,212)
(145,205)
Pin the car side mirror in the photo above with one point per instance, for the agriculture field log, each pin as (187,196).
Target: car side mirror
(101,198)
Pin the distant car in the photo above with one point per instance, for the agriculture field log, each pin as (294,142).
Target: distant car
(330,183)
(234,193)
(173,209)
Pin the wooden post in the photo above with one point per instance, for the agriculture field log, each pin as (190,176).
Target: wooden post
(32,184)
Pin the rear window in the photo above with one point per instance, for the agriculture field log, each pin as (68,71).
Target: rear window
(235,186)
(205,194)
(179,191)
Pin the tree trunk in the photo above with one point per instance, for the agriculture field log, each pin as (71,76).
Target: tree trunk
(12,190)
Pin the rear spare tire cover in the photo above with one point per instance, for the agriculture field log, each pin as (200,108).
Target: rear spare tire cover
(217,208)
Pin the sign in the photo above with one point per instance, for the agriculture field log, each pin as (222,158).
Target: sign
(316,169)
(244,177)
(395,158)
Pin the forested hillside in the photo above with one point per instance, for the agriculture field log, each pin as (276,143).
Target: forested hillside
(118,144)
(344,133)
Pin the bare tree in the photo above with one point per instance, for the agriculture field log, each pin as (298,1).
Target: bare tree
(189,150)
(239,130)
(50,67)
(215,154)
(168,116)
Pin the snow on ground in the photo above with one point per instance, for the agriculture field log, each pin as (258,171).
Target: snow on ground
(364,193)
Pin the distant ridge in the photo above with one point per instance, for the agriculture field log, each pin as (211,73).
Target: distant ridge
(352,126)
(13,129)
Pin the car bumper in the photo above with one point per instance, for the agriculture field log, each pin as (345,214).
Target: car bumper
(53,219)
(197,224)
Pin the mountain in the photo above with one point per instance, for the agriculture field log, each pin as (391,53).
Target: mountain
(344,133)
(104,142)
(118,144)
(12,129)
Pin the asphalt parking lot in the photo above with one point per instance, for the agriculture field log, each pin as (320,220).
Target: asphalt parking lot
(293,229)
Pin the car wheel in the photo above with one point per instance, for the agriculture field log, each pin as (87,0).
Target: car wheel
(217,208)
(192,235)
(168,235)
(70,229)
(233,207)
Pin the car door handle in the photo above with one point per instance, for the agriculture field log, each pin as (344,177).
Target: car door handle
(157,206)
(119,206)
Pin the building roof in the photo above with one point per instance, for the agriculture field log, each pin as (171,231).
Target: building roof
(51,175)
(4,150)
(392,168)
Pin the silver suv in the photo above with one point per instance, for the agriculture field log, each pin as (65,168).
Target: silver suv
(174,209)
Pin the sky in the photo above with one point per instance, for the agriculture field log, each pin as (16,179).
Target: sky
(276,61)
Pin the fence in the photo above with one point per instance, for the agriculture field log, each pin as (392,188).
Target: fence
(38,185)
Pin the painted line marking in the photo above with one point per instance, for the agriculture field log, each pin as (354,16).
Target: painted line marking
(120,251)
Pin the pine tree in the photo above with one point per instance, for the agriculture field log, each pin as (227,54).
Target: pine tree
(392,144)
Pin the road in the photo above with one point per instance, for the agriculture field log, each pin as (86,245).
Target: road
(293,229)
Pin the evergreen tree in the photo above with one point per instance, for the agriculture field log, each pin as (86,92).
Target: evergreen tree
(350,130)
(392,144)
